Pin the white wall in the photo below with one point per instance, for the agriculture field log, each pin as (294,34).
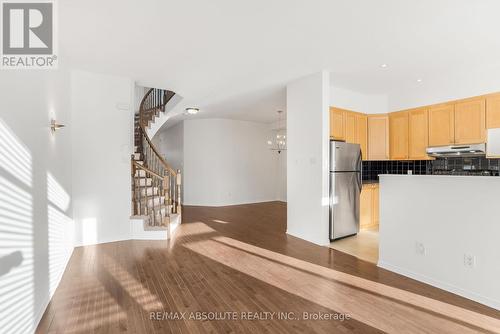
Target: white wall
(227,162)
(36,229)
(139,92)
(307,158)
(102,145)
(351,100)
(440,88)
(281,175)
(444,88)
(450,216)
(170,143)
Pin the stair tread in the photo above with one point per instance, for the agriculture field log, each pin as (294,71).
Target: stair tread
(150,196)
(144,200)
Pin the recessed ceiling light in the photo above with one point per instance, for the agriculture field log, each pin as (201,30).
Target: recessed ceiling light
(383,65)
(419,80)
(191,111)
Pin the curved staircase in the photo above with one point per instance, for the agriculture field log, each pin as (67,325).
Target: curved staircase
(156,186)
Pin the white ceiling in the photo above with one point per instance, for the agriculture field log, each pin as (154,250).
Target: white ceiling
(233,58)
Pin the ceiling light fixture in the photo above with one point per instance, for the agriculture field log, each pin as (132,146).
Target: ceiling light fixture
(278,143)
(419,80)
(191,111)
(383,65)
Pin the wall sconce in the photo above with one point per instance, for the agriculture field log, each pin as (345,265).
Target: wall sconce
(54,126)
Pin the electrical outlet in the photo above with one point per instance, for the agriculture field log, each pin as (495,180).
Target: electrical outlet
(469,260)
(420,248)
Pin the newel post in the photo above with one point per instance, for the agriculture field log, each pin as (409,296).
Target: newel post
(178,183)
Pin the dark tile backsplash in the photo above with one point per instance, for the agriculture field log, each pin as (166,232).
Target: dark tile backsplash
(448,166)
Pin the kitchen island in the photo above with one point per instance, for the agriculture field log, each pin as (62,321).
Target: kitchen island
(444,231)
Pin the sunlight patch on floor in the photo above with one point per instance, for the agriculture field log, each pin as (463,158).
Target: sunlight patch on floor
(196,228)
(220,221)
(141,295)
(375,302)
(106,313)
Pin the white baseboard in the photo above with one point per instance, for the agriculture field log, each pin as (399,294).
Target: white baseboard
(39,314)
(104,241)
(138,233)
(316,242)
(441,285)
(216,205)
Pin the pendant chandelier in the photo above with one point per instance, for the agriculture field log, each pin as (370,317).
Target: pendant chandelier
(278,142)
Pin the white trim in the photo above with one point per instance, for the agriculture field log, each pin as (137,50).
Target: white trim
(41,310)
(317,242)
(104,241)
(233,203)
(441,285)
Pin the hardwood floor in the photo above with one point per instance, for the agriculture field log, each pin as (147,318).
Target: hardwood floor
(239,259)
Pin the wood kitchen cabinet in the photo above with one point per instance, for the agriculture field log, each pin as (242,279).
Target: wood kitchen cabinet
(351,135)
(349,126)
(398,135)
(378,137)
(405,135)
(470,121)
(493,111)
(442,125)
(362,134)
(418,134)
(356,130)
(337,123)
(369,206)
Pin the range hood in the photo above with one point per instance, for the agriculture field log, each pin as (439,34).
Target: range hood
(457,151)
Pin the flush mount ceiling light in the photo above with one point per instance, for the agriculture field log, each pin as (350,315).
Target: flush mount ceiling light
(383,65)
(191,111)
(419,80)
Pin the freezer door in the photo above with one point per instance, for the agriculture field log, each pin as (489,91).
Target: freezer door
(345,190)
(344,157)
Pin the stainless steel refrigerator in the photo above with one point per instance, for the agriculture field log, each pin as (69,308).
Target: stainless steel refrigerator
(345,188)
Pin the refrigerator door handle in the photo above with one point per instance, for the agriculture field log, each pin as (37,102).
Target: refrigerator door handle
(360,174)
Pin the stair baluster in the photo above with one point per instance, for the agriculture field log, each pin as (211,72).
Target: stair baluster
(155,185)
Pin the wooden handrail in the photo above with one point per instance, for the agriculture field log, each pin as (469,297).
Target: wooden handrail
(165,164)
(138,165)
(156,186)
(142,110)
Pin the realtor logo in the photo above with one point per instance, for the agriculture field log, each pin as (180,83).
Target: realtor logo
(28,35)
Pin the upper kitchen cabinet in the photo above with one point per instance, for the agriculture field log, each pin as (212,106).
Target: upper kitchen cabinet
(349,126)
(442,125)
(337,123)
(418,134)
(378,137)
(493,111)
(470,121)
(351,135)
(398,135)
(362,134)
(356,130)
